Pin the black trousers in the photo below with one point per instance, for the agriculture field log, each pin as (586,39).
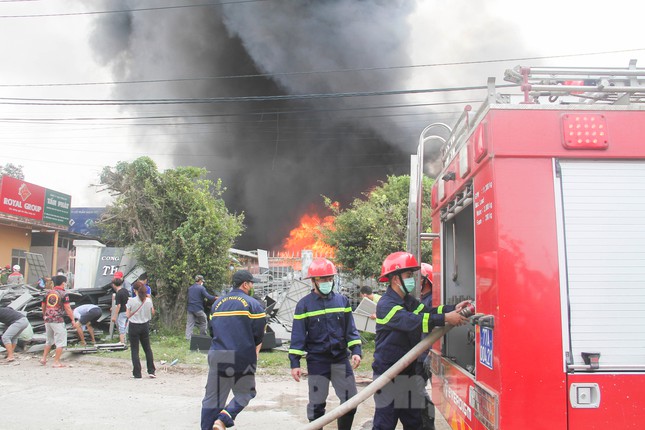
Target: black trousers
(140,333)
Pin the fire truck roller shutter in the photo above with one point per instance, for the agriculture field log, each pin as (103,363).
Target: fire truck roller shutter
(603,242)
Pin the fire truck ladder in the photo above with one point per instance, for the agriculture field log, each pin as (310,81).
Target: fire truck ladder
(565,85)
(415,202)
(591,85)
(462,127)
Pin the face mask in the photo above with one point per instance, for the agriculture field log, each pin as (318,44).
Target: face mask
(408,285)
(325,287)
(251,291)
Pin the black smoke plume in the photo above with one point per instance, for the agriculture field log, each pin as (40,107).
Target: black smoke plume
(277,157)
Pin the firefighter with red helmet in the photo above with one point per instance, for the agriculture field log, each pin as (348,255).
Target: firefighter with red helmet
(426,284)
(427,413)
(401,320)
(323,329)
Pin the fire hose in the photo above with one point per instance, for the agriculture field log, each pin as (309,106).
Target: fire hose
(386,377)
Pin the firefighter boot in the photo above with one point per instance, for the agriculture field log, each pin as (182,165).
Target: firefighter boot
(345,422)
(428,422)
(427,417)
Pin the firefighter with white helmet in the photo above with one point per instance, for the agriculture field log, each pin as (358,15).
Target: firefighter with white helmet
(400,322)
(15,278)
(323,329)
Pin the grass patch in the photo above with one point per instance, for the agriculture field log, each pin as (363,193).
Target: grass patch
(166,347)
(170,347)
(273,362)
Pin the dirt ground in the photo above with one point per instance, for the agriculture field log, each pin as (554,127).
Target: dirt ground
(97,392)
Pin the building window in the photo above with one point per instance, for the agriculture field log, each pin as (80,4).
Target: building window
(64,243)
(19,257)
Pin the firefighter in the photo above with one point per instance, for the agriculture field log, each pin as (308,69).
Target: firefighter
(401,320)
(238,322)
(426,284)
(323,329)
(427,413)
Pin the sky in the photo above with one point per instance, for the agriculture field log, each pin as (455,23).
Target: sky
(298,46)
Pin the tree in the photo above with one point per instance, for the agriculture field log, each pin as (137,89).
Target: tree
(177,224)
(375,226)
(10,169)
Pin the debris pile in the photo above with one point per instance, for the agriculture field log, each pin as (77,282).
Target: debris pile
(27,299)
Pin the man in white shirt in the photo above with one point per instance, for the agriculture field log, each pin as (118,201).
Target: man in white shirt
(85,315)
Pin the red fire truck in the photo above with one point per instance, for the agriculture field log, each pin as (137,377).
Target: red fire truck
(539,216)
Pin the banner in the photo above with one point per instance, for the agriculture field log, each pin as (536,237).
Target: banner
(83,221)
(31,201)
(57,207)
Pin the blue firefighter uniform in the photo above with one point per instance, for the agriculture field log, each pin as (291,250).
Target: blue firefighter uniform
(400,323)
(238,322)
(427,414)
(323,329)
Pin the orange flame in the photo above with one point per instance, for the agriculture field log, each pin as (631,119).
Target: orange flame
(307,236)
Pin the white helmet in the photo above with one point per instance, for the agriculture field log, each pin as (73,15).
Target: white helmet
(16,267)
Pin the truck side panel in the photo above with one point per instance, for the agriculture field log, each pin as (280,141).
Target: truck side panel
(621,402)
(528,326)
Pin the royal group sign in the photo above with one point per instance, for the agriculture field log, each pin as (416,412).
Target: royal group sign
(27,200)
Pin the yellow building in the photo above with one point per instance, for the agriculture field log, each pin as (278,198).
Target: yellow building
(29,213)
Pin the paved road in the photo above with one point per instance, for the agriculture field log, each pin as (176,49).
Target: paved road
(99,393)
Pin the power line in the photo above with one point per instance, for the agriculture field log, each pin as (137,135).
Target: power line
(213,100)
(143,9)
(361,69)
(234,114)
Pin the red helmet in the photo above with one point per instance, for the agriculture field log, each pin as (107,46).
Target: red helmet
(426,272)
(321,267)
(397,262)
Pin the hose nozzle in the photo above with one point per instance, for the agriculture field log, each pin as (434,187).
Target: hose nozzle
(468,310)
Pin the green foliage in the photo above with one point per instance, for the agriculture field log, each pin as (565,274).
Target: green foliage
(176,222)
(10,169)
(375,226)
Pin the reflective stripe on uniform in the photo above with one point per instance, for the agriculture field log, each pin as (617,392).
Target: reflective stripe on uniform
(440,309)
(418,309)
(297,352)
(238,313)
(426,323)
(321,312)
(353,342)
(389,316)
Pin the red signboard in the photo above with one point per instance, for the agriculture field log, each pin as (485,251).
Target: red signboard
(27,200)
(21,198)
